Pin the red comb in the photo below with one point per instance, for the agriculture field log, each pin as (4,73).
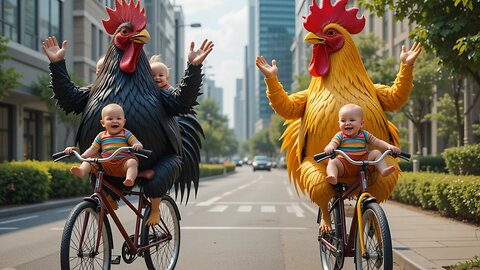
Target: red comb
(124,12)
(318,17)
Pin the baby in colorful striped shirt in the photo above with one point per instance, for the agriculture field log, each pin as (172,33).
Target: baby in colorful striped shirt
(106,142)
(353,140)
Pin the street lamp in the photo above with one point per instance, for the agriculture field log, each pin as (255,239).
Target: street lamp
(178,69)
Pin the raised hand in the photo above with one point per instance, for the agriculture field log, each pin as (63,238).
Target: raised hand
(197,57)
(408,58)
(53,51)
(269,71)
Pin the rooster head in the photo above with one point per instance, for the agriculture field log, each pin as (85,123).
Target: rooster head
(126,23)
(325,26)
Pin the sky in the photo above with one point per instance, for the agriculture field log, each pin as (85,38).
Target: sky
(225,22)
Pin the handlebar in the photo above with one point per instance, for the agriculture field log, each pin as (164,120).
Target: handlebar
(321,156)
(141,152)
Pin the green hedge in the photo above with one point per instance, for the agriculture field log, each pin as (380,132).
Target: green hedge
(456,196)
(427,164)
(207,170)
(23,183)
(463,160)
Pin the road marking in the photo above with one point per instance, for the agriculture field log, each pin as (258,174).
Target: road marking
(8,268)
(18,219)
(310,208)
(218,208)
(209,202)
(56,229)
(240,228)
(8,228)
(63,210)
(244,208)
(295,208)
(267,209)
(290,192)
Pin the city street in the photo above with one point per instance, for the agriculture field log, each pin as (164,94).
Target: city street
(245,220)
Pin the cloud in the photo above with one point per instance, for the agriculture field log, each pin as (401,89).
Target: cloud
(196,6)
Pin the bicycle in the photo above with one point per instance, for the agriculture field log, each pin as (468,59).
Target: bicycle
(87,240)
(370,244)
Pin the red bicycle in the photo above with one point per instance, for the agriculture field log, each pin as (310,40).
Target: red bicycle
(87,240)
(370,244)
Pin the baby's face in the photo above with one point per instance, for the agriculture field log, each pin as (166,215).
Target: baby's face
(350,121)
(113,119)
(160,74)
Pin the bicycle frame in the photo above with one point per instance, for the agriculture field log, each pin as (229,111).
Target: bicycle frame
(99,197)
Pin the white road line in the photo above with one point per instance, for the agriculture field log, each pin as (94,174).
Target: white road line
(56,229)
(310,208)
(63,210)
(209,202)
(240,228)
(8,268)
(226,193)
(267,209)
(244,208)
(255,203)
(18,219)
(218,208)
(289,191)
(8,228)
(295,208)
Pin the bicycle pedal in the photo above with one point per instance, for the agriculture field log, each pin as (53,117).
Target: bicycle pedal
(116,259)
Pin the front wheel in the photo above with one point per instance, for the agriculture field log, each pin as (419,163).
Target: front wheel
(165,254)
(377,239)
(78,246)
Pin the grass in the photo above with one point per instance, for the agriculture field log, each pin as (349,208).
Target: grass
(473,264)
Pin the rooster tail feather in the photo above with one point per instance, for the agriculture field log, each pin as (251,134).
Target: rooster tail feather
(290,144)
(393,133)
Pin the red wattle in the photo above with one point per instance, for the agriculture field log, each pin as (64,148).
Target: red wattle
(128,63)
(320,64)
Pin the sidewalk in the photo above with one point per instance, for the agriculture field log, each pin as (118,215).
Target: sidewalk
(424,240)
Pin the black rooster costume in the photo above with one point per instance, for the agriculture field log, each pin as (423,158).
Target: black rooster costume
(162,121)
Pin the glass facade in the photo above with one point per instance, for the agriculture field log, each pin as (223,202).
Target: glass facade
(9,19)
(276,28)
(6,133)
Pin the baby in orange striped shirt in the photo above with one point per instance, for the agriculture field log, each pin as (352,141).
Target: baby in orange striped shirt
(353,140)
(106,142)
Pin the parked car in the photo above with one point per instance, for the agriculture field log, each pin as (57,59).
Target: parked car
(261,163)
(282,163)
(237,161)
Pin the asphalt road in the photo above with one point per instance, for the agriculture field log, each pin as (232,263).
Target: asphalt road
(246,220)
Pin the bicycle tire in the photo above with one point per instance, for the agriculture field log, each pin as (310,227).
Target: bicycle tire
(165,255)
(377,239)
(70,257)
(332,260)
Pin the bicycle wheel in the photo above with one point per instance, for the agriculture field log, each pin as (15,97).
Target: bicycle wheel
(77,252)
(377,239)
(164,255)
(330,258)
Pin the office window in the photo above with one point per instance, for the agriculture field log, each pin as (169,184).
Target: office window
(49,19)
(47,136)
(29,134)
(9,19)
(6,133)
(93,46)
(30,36)
(100,43)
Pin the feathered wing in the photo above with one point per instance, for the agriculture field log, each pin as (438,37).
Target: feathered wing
(290,145)
(192,134)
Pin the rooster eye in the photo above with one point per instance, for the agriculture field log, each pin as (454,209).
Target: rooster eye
(124,31)
(330,32)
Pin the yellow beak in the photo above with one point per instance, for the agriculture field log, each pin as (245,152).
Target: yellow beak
(313,39)
(141,37)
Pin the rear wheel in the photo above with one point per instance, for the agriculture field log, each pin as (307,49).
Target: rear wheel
(165,254)
(331,244)
(77,252)
(377,239)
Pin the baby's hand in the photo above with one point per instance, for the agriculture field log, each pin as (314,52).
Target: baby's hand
(69,150)
(137,146)
(329,149)
(394,149)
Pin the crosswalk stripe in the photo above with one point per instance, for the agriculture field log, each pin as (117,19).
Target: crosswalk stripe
(244,208)
(218,208)
(268,209)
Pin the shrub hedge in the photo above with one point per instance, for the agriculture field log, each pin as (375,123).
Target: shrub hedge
(463,160)
(427,164)
(453,195)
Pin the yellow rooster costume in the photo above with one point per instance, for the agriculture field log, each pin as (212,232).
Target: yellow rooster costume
(339,78)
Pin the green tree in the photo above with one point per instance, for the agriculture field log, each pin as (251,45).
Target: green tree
(449,29)
(219,139)
(446,118)
(9,78)
(70,121)
(261,144)
(276,130)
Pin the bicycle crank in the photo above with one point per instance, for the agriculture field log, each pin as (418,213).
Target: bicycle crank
(127,254)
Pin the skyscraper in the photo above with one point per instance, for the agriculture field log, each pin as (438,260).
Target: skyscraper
(275,28)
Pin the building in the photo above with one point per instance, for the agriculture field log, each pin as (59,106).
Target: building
(213,92)
(28,130)
(240,114)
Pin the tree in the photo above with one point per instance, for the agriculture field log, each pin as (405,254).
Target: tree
(447,29)
(219,139)
(446,118)
(276,130)
(9,78)
(261,144)
(41,88)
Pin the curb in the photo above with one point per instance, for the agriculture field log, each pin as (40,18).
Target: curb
(410,260)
